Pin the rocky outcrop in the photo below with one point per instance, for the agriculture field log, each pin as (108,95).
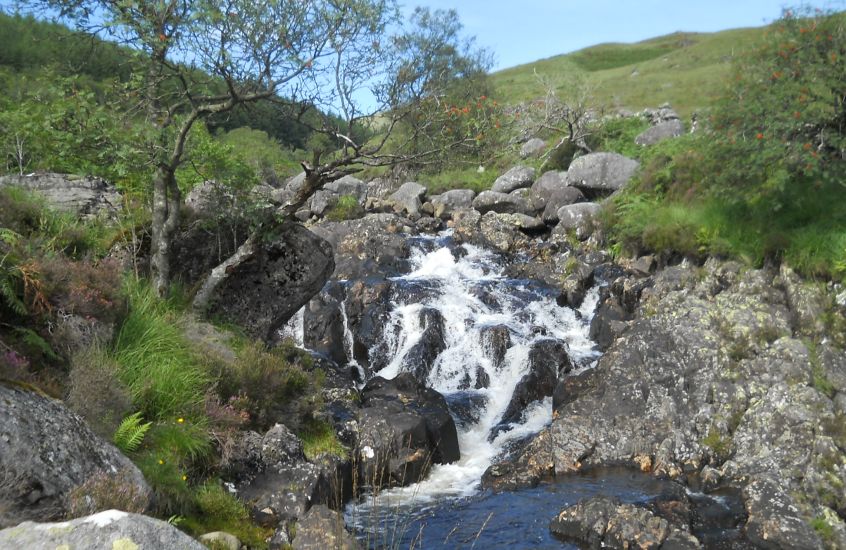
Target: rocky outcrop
(707,375)
(323,529)
(405,429)
(268,280)
(601,172)
(84,196)
(110,529)
(518,177)
(46,451)
(449,201)
(373,246)
(408,199)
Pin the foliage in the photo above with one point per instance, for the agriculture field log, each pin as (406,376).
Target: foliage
(617,135)
(165,378)
(318,438)
(95,392)
(347,208)
(106,491)
(130,433)
(218,510)
(458,178)
(779,133)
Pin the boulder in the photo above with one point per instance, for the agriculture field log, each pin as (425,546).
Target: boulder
(84,196)
(601,172)
(449,201)
(501,232)
(773,519)
(518,177)
(577,218)
(558,199)
(532,148)
(548,359)
(421,357)
(408,199)
(534,205)
(661,131)
(322,201)
(46,451)
(221,540)
(496,339)
(501,203)
(348,186)
(111,529)
(323,324)
(405,428)
(209,199)
(372,246)
(323,529)
(550,182)
(272,278)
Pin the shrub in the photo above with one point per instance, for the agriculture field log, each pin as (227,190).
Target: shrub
(95,391)
(89,290)
(219,510)
(105,491)
(319,438)
(347,208)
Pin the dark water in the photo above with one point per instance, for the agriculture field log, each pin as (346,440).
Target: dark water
(520,519)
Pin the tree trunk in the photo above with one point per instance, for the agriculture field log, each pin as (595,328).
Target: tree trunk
(166,204)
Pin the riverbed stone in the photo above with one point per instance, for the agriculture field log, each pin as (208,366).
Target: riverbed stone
(516,178)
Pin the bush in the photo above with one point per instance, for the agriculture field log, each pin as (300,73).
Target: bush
(319,438)
(347,208)
(106,491)
(218,510)
(96,393)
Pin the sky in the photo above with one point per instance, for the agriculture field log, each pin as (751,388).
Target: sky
(522,31)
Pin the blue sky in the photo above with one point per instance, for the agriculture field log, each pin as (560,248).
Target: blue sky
(521,31)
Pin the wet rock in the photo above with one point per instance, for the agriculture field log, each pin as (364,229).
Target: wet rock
(109,529)
(46,451)
(601,172)
(405,429)
(449,201)
(608,322)
(496,339)
(368,305)
(272,280)
(323,324)
(532,148)
(427,224)
(661,131)
(421,357)
(548,359)
(84,196)
(323,529)
(518,177)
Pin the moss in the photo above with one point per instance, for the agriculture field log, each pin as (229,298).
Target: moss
(720,445)
(319,438)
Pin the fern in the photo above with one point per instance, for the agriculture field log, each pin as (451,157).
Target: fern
(10,275)
(129,435)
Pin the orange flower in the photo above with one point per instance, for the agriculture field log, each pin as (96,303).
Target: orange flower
(759,136)
(797,114)
(806,146)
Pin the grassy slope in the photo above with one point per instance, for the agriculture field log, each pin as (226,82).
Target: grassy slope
(684,69)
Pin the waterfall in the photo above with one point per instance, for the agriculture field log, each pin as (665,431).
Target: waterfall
(468,288)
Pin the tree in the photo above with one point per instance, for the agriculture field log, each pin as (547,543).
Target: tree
(331,65)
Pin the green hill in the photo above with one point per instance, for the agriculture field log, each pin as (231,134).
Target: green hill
(684,69)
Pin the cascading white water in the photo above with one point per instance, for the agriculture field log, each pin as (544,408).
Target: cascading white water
(472,293)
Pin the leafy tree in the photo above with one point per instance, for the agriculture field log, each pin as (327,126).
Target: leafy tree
(780,133)
(200,59)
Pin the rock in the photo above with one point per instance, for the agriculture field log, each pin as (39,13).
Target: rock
(371,246)
(323,324)
(84,196)
(501,203)
(421,357)
(208,199)
(605,522)
(548,184)
(348,186)
(496,339)
(500,232)
(644,265)
(527,224)
(518,177)
(220,540)
(608,322)
(427,224)
(111,529)
(272,280)
(547,359)
(661,131)
(323,529)
(46,451)
(405,428)
(533,205)
(446,203)
(774,521)
(322,201)
(601,172)
(806,302)
(380,188)
(408,199)
(532,148)
(577,218)
(558,199)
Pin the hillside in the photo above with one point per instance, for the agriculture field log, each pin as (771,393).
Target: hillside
(684,69)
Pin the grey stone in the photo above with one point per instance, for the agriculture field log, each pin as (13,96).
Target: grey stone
(111,529)
(661,131)
(349,186)
(601,171)
(532,148)
(501,232)
(321,201)
(221,540)
(323,529)
(449,201)
(501,203)
(548,184)
(560,197)
(518,177)
(84,196)
(46,451)
(576,217)
(408,199)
